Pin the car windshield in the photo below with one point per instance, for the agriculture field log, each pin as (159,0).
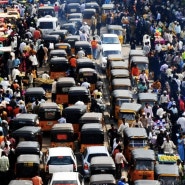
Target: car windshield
(110,40)
(60,160)
(46,25)
(95,155)
(62,182)
(109,52)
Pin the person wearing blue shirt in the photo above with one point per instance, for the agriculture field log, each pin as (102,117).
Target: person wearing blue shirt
(122,181)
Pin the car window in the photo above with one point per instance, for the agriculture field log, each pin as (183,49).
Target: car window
(95,155)
(46,25)
(110,40)
(60,160)
(62,182)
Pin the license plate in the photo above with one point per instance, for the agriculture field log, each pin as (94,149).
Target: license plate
(50,123)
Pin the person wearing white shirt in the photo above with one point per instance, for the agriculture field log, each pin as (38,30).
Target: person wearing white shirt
(181,122)
(148,109)
(5,83)
(33,60)
(86,84)
(15,73)
(122,127)
(158,47)
(45,76)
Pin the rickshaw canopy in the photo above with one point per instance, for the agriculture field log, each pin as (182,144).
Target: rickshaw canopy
(85,45)
(116,29)
(73,8)
(28,158)
(115,57)
(135,133)
(20,182)
(64,46)
(120,93)
(119,64)
(119,73)
(107,6)
(91,117)
(89,128)
(52,38)
(146,182)
(121,82)
(102,179)
(49,106)
(75,15)
(87,71)
(130,107)
(64,127)
(136,52)
(92,5)
(85,63)
(147,97)
(65,82)
(71,39)
(139,59)
(88,13)
(143,154)
(55,53)
(166,170)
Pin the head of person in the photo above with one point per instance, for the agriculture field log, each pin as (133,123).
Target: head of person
(123,119)
(165,93)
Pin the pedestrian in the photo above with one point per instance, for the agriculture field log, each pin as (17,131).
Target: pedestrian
(86,84)
(94,45)
(37,180)
(73,64)
(53,90)
(180,147)
(4,167)
(93,24)
(119,161)
(122,181)
(122,127)
(168,146)
(112,133)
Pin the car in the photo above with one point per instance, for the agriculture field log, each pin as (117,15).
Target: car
(110,44)
(66,178)
(92,151)
(61,159)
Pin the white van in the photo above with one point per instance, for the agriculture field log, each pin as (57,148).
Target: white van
(110,44)
(48,24)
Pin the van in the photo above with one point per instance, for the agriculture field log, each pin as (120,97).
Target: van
(110,44)
(48,24)
(46,10)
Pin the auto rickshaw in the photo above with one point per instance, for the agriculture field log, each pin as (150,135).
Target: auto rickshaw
(51,40)
(89,74)
(62,135)
(45,10)
(106,9)
(118,97)
(33,93)
(72,114)
(79,94)
(77,21)
(141,62)
(75,15)
(120,83)
(58,67)
(93,5)
(167,174)
(86,46)
(116,29)
(142,165)
(62,33)
(118,73)
(49,113)
(70,27)
(111,58)
(73,1)
(117,65)
(22,120)
(73,8)
(128,111)
(102,165)
(91,118)
(149,98)
(136,52)
(91,135)
(71,39)
(62,88)
(147,182)
(27,166)
(134,138)
(21,182)
(100,179)
(55,53)
(64,46)
(28,133)
(27,147)
(85,63)
(87,15)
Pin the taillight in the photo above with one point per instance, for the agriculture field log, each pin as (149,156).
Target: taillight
(86,167)
(74,167)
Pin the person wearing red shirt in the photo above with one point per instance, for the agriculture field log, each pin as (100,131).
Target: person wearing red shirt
(134,74)
(36,34)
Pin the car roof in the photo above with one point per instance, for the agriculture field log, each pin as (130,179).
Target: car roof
(102,160)
(65,176)
(102,177)
(97,149)
(109,35)
(21,182)
(57,151)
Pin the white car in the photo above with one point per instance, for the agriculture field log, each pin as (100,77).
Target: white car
(66,178)
(61,159)
(89,153)
(110,44)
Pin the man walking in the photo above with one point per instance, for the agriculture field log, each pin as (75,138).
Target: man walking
(94,45)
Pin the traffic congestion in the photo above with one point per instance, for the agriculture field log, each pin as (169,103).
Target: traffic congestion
(92,92)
